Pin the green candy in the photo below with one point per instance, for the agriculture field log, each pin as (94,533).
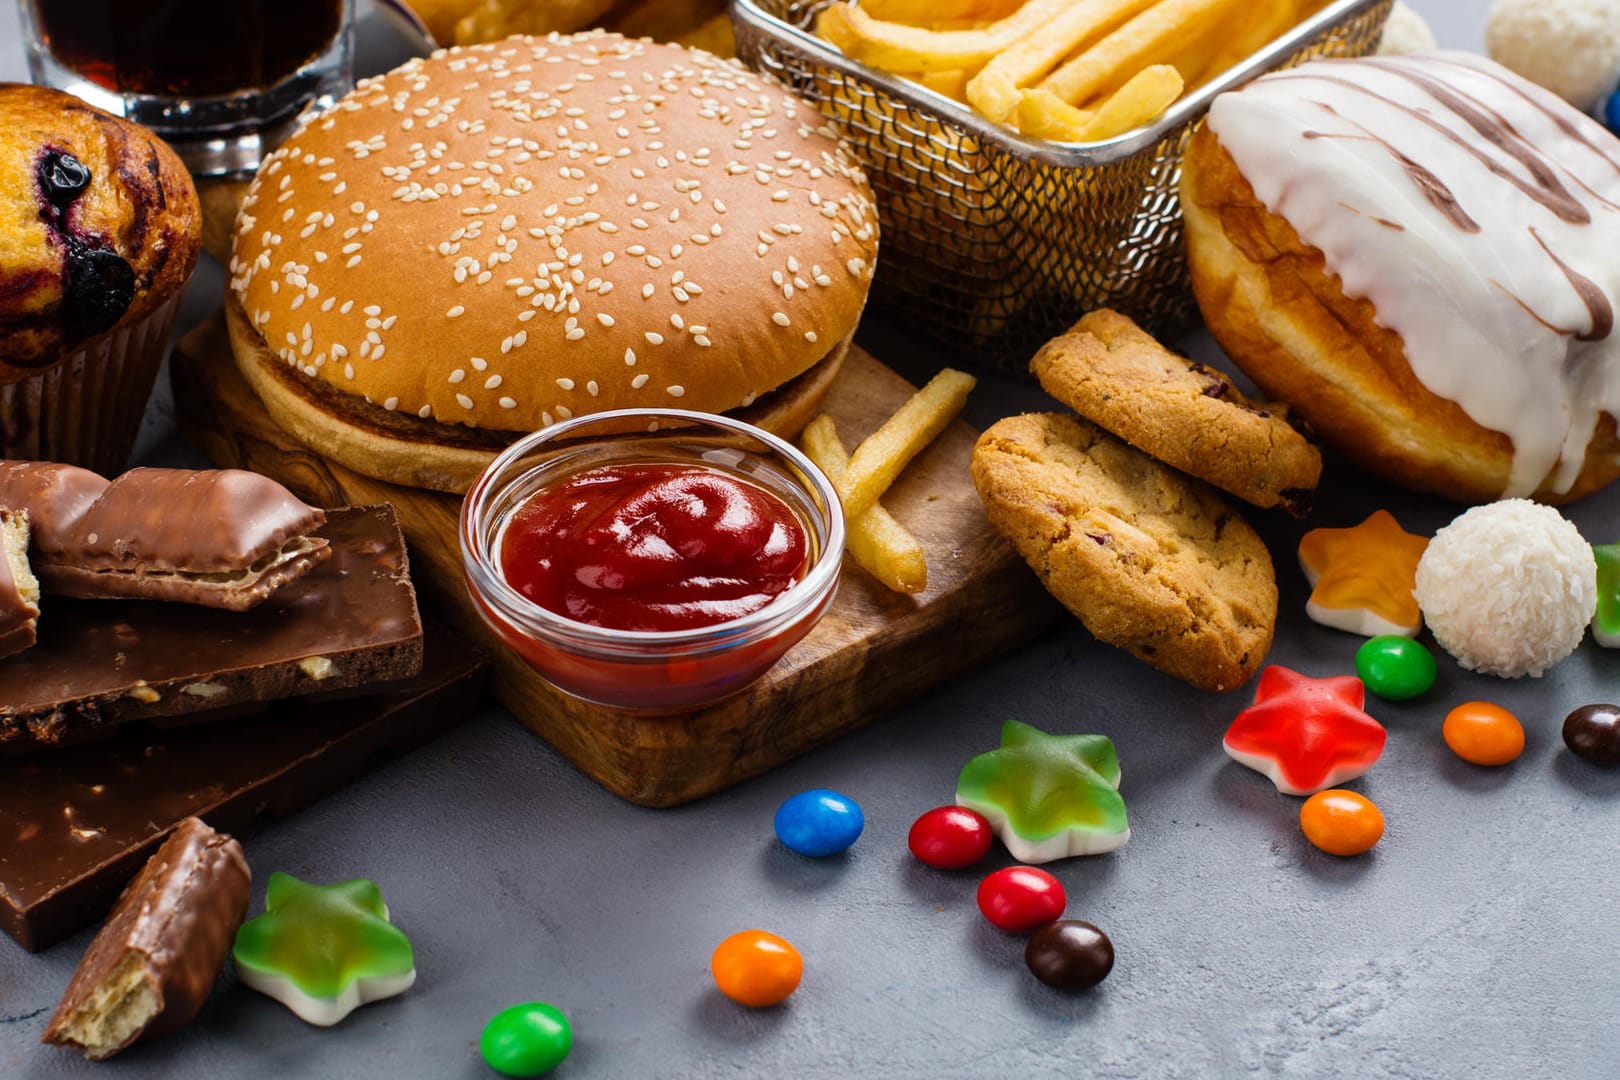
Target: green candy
(1395,668)
(1048,796)
(526,1040)
(323,950)
(1606,619)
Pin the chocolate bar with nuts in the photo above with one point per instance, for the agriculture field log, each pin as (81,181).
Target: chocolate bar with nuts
(19,592)
(151,967)
(351,621)
(221,538)
(78,823)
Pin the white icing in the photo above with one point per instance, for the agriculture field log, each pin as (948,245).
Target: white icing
(1461,300)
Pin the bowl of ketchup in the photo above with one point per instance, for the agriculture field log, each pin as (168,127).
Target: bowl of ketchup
(656,570)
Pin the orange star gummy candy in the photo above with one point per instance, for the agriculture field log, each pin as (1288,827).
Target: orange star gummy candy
(1362,577)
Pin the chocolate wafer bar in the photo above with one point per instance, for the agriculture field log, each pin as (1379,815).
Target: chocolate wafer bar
(78,823)
(19,592)
(222,538)
(151,967)
(351,621)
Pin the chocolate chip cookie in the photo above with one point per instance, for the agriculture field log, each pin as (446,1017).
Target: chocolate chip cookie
(1187,415)
(1150,560)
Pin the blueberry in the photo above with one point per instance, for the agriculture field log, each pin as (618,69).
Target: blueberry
(100,286)
(62,177)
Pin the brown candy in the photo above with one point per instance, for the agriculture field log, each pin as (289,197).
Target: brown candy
(218,537)
(1070,955)
(151,967)
(1593,732)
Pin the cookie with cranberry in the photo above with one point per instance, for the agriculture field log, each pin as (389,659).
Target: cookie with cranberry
(1186,414)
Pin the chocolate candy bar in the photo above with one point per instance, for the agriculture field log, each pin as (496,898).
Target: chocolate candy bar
(19,592)
(78,823)
(351,621)
(218,537)
(151,967)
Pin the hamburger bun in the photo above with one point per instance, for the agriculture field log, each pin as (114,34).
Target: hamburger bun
(1416,254)
(494,238)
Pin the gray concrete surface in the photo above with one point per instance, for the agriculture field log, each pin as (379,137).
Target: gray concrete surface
(1478,940)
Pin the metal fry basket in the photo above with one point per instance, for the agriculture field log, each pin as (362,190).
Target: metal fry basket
(992,243)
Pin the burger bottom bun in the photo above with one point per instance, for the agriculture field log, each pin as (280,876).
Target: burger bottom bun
(403,449)
(1283,318)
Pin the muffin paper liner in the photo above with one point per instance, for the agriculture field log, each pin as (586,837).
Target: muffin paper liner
(87,409)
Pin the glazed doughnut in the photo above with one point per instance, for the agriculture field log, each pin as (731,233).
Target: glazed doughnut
(1419,255)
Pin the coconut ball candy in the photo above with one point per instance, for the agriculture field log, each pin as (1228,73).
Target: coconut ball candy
(1508,588)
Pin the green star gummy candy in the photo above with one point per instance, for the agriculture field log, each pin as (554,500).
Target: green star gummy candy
(323,950)
(1048,796)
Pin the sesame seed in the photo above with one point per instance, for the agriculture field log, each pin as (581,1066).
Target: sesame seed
(654,338)
(455,376)
(675,391)
(630,358)
(565,384)
(604,318)
(779,318)
(508,403)
(638,382)
(810,336)
(464,401)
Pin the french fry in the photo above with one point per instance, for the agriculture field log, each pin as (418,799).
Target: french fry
(952,84)
(929,12)
(661,20)
(994,90)
(1140,101)
(900,48)
(1236,41)
(1041,114)
(1112,61)
(879,544)
(877,461)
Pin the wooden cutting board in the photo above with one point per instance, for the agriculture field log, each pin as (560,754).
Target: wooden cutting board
(872,652)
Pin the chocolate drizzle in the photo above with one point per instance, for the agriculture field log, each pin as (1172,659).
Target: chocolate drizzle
(1435,191)
(1589,292)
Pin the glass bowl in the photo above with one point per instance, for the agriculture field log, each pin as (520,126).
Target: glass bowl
(642,670)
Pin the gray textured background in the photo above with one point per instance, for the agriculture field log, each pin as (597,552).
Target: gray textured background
(1477,940)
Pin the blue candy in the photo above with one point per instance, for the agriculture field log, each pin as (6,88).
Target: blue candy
(1611,112)
(819,822)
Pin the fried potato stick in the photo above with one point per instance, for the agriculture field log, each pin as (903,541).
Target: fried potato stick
(1143,41)
(900,48)
(994,91)
(929,12)
(879,544)
(877,461)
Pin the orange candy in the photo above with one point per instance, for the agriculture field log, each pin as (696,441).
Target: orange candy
(756,969)
(1341,822)
(1483,734)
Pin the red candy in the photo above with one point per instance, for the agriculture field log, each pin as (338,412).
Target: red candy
(950,837)
(1306,734)
(1020,899)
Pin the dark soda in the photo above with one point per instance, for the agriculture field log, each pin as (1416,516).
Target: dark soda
(187,48)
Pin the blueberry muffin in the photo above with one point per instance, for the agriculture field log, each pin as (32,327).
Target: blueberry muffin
(99,232)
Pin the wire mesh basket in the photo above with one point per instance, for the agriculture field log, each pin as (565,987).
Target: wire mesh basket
(992,243)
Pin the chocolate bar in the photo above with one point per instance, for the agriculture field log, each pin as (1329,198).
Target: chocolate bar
(151,966)
(19,592)
(77,824)
(351,621)
(221,538)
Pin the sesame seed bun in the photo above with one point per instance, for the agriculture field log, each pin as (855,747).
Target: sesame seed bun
(483,242)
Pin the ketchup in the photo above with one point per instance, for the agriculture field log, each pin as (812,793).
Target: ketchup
(653,547)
